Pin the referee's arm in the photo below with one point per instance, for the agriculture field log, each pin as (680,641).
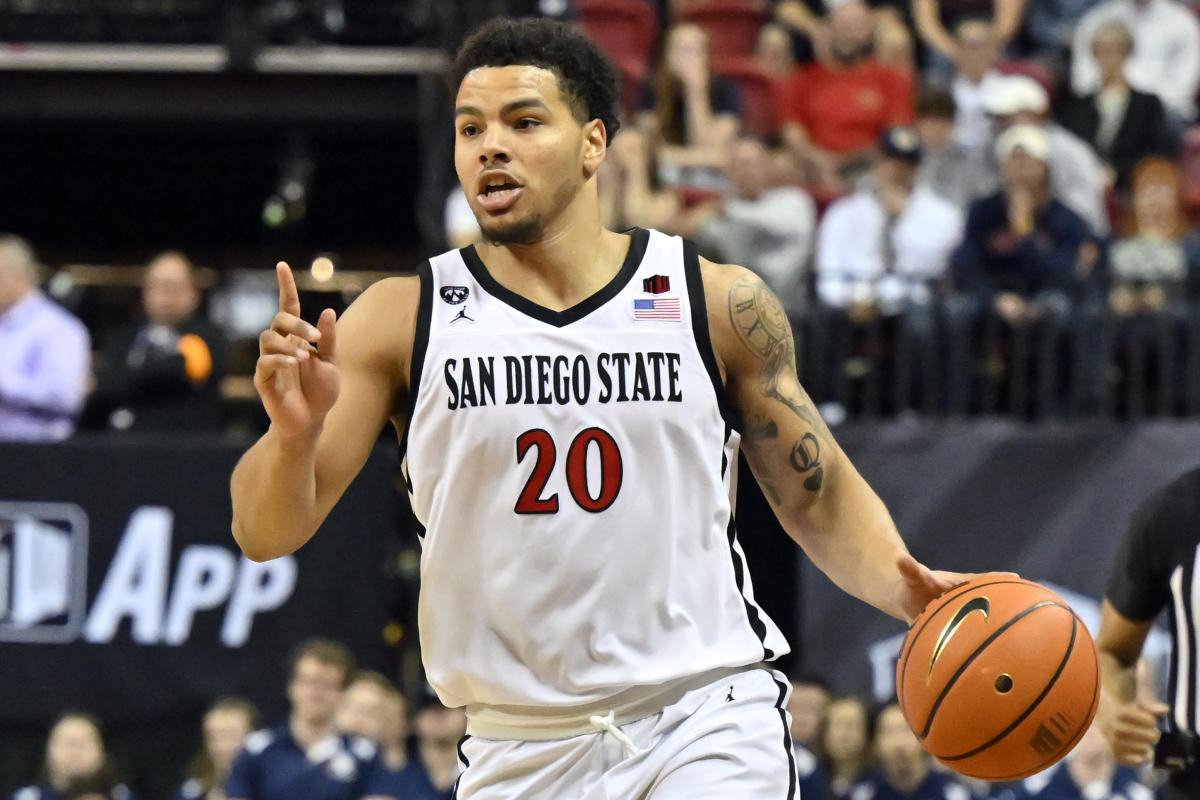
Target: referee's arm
(1130,724)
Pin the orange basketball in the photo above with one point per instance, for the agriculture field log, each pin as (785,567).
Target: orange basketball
(998,678)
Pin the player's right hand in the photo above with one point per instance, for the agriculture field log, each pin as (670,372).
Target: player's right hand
(1131,729)
(298,383)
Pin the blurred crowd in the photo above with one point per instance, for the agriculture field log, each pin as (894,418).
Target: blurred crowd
(349,734)
(847,749)
(966,206)
(355,730)
(160,371)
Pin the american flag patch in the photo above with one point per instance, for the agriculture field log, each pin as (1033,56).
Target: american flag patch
(656,308)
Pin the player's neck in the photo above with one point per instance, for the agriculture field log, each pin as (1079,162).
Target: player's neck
(574,259)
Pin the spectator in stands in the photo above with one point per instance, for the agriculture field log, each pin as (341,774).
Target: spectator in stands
(163,372)
(935,19)
(976,77)
(768,227)
(1122,124)
(962,175)
(809,31)
(1027,272)
(98,786)
(1050,28)
(773,52)
(75,753)
(1165,61)
(372,708)
(835,112)
(807,706)
(1027,261)
(45,363)
(881,262)
(904,771)
(629,193)
(305,758)
(1089,771)
(1022,246)
(394,742)
(690,112)
(226,725)
(894,45)
(846,744)
(364,706)
(439,731)
(886,247)
(1150,265)
(1076,172)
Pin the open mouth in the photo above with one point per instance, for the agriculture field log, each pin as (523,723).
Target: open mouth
(499,193)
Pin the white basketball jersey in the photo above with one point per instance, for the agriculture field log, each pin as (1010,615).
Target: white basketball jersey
(573,473)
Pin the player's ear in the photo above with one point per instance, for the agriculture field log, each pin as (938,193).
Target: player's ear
(595,146)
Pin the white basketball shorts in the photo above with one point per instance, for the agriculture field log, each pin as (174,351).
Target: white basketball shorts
(726,740)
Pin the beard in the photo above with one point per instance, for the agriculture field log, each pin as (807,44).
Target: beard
(529,229)
(522,231)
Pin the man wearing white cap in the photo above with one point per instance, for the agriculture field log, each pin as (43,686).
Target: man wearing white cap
(1022,243)
(1026,257)
(1077,175)
(1166,54)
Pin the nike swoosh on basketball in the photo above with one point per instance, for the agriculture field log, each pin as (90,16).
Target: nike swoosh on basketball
(979,604)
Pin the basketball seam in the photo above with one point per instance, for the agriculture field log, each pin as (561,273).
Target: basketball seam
(976,653)
(1069,745)
(914,634)
(1037,701)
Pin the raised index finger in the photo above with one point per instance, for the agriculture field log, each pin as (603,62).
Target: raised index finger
(289,297)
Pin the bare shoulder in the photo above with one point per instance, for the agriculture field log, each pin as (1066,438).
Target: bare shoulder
(379,327)
(746,321)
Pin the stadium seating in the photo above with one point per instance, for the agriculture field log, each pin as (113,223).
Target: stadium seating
(626,31)
(732,27)
(759,95)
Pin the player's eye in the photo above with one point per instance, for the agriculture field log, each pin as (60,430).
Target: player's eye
(527,122)
(469,130)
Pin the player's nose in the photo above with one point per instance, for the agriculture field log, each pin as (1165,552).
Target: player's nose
(493,147)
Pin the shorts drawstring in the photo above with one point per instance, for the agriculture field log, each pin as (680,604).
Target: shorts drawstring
(607,724)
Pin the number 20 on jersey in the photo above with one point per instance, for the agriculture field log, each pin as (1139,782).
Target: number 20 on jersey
(531,500)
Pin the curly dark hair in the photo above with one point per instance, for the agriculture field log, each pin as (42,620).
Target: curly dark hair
(590,82)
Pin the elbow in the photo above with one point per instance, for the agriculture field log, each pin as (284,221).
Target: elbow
(252,547)
(260,555)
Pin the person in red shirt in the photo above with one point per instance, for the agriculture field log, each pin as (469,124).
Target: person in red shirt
(835,112)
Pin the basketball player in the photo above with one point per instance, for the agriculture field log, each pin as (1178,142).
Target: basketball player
(571,402)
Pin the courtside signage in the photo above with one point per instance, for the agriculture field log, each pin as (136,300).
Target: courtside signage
(43,580)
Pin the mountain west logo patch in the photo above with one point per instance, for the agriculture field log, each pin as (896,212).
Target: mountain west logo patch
(455,294)
(655,284)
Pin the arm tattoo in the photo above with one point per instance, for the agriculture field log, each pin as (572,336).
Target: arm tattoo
(760,426)
(762,328)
